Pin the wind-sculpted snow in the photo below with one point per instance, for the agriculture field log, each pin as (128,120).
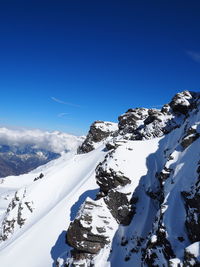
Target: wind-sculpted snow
(133,200)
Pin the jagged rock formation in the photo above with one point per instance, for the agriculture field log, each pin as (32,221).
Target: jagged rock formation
(91,229)
(155,214)
(16,214)
(98,132)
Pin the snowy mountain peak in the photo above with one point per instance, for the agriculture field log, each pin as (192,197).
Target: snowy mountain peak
(130,197)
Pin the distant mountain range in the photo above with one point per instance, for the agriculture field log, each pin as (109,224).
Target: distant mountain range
(15,161)
(24,150)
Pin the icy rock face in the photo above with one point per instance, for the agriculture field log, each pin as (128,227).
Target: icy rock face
(16,214)
(98,132)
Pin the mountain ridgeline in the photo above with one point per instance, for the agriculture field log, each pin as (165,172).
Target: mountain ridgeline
(147,210)
(126,195)
(15,160)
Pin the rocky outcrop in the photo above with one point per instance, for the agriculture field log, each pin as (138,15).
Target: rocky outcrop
(108,178)
(183,102)
(120,207)
(141,123)
(192,206)
(97,221)
(158,249)
(99,131)
(132,119)
(91,230)
(191,136)
(16,214)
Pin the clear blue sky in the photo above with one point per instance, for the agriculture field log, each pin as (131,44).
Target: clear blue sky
(66,63)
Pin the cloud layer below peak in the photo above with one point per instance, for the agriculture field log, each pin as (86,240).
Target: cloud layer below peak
(52,141)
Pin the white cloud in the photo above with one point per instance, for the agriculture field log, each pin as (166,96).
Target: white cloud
(60,115)
(194,55)
(64,103)
(53,141)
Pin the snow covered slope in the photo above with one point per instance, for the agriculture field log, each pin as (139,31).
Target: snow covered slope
(133,200)
(54,201)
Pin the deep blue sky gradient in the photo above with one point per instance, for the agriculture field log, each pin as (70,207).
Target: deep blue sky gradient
(103,57)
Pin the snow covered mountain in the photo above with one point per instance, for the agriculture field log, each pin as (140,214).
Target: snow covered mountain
(130,197)
(24,150)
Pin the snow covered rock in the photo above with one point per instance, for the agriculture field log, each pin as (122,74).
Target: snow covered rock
(98,132)
(192,255)
(190,137)
(142,123)
(132,119)
(16,214)
(91,230)
(109,177)
(183,102)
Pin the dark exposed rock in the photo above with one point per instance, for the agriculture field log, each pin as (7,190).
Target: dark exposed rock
(154,114)
(84,233)
(119,207)
(190,260)
(164,174)
(180,238)
(161,246)
(191,136)
(110,179)
(129,121)
(154,195)
(141,123)
(98,132)
(192,205)
(39,177)
(183,102)
(75,238)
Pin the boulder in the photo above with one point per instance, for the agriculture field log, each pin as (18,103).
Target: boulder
(108,178)
(92,228)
